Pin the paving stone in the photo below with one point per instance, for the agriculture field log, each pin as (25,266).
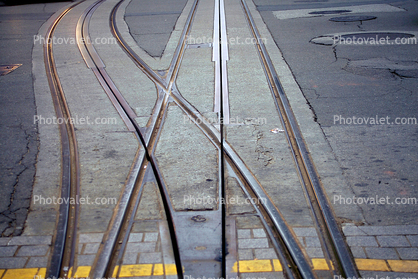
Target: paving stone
(390,230)
(135,237)
(244,233)
(37,262)
(90,237)
(31,240)
(413,239)
(315,252)
(86,260)
(305,231)
(264,254)
(393,241)
(8,251)
(381,253)
(13,262)
(130,258)
(4,241)
(362,241)
(408,253)
(151,237)
(31,251)
(80,247)
(145,226)
(91,248)
(253,243)
(245,254)
(358,252)
(147,258)
(302,241)
(312,242)
(353,230)
(141,247)
(259,233)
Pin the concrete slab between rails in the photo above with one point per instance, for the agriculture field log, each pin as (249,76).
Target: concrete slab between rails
(137,89)
(265,153)
(155,63)
(323,157)
(106,149)
(187,181)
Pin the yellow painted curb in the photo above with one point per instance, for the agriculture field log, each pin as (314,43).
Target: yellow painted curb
(136,270)
(255,266)
(320,264)
(403,266)
(21,273)
(158,269)
(82,271)
(371,265)
(248,266)
(277,265)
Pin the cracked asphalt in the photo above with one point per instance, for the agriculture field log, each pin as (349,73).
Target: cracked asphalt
(343,82)
(18,134)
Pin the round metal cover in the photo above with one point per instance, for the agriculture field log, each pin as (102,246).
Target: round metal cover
(378,35)
(329,12)
(351,18)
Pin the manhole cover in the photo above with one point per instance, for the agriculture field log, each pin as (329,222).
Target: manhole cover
(5,69)
(351,18)
(330,12)
(377,36)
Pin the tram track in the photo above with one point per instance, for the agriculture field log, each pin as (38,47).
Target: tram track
(216,137)
(294,262)
(65,236)
(337,251)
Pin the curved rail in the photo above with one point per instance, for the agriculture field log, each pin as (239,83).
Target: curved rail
(290,253)
(290,243)
(331,237)
(130,197)
(62,258)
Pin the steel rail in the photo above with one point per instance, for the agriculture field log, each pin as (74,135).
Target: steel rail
(62,256)
(154,129)
(327,227)
(107,255)
(224,117)
(179,52)
(214,136)
(232,156)
(288,265)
